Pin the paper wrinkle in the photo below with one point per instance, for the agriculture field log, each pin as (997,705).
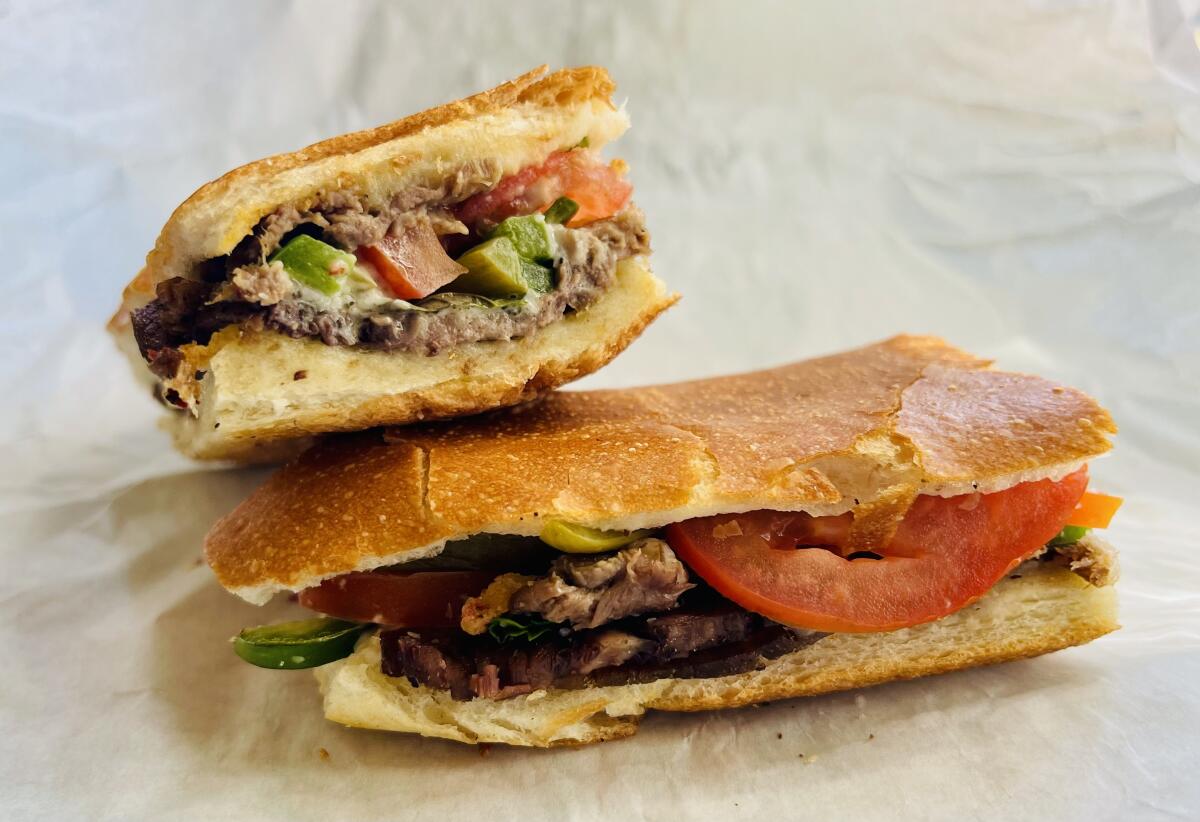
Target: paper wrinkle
(1020,178)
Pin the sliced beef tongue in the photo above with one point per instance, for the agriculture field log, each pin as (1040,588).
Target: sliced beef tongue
(681,634)
(588,592)
(685,645)
(432,661)
(765,643)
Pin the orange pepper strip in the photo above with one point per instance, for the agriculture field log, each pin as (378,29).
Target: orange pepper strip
(1095,510)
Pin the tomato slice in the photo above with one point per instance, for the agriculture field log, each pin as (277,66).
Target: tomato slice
(413,599)
(1095,510)
(601,190)
(410,263)
(946,553)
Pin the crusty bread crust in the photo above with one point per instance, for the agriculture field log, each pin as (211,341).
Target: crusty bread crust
(514,125)
(1040,608)
(866,430)
(254,409)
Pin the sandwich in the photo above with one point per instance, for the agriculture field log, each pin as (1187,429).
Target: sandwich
(469,257)
(544,575)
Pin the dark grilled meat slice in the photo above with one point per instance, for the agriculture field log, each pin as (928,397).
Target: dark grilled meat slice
(687,645)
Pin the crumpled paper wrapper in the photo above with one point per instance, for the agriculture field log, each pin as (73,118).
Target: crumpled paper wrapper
(1022,178)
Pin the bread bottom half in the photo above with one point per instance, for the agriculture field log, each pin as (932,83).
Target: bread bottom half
(263,394)
(1042,607)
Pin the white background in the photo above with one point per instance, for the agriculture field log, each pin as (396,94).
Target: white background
(1020,177)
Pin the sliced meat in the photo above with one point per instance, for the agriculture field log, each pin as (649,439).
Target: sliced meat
(588,592)
(682,634)
(608,649)
(300,319)
(752,653)
(718,643)
(427,662)
(167,321)
(185,310)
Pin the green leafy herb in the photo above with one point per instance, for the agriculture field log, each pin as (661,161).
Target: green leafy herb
(582,143)
(520,628)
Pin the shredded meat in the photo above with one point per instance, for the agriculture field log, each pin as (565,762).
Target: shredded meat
(265,284)
(351,220)
(588,592)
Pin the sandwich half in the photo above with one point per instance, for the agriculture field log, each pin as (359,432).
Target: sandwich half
(544,575)
(469,257)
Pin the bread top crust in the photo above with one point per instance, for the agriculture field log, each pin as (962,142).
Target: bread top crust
(864,430)
(513,125)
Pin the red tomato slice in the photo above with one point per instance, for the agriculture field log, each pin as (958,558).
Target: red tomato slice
(410,263)
(947,552)
(601,190)
(1095,510)
(420,599)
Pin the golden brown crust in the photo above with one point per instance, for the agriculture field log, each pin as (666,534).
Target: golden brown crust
(968,424)
(1039,609)
(217,215)
(823,435)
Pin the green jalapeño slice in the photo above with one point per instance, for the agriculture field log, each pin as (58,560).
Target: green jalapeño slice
(303,644)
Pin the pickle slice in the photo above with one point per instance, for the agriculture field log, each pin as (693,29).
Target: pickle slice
(579,539)
(493,270)
(529,235)
(306,643)
(313,263)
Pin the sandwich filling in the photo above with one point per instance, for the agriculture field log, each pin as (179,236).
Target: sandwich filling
(479,258)
(496,617)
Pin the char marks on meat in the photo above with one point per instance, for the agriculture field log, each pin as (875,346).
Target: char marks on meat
(589,592)
(721,642)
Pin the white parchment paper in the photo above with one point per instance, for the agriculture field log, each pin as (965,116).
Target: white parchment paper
(1020,177)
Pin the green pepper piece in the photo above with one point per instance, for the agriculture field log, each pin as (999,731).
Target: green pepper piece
(530,236)
(561,210)
(1069,535)
(493,270)
(538,277)
(310,261)
(579,539)
(303,644)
